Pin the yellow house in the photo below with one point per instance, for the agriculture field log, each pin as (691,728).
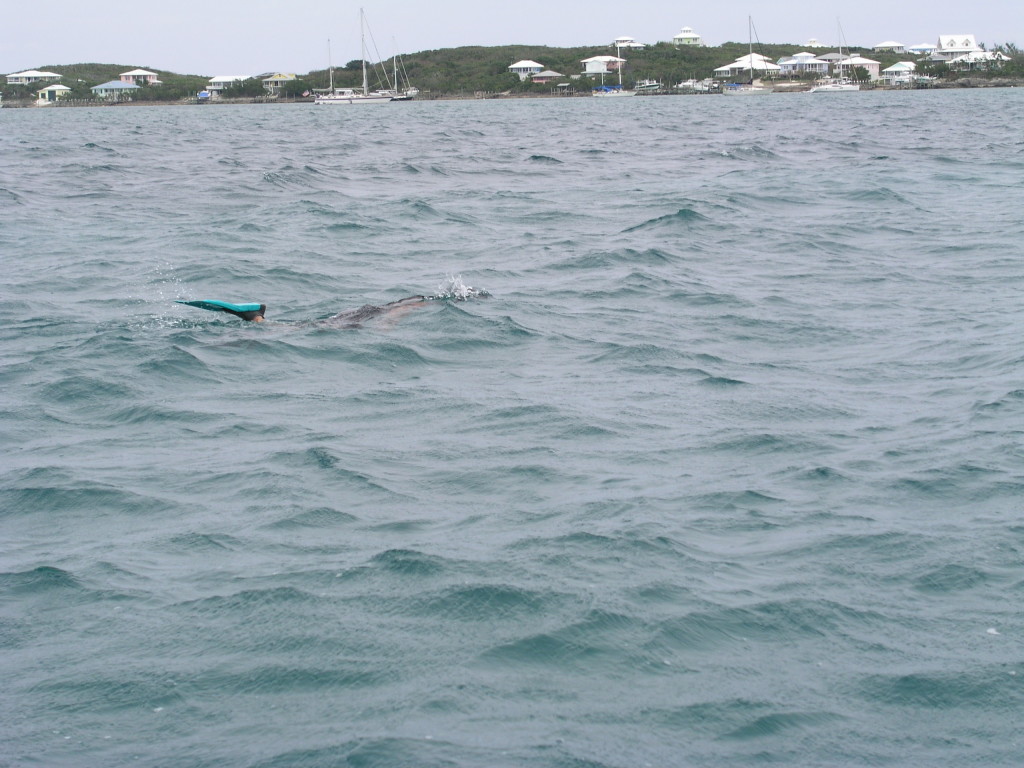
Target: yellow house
(276,81)
(52,93)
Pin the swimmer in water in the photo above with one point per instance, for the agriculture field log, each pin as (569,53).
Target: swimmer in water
(349,318)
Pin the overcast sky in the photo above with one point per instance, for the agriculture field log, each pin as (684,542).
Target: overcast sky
(247,37)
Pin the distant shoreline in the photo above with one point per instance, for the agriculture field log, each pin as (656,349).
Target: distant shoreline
(961,84)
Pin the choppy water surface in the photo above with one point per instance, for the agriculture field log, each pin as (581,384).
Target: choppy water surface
(727,470)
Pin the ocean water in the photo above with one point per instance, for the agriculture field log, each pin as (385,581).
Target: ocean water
(708,450)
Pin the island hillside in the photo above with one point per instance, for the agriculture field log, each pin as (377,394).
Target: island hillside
(475,70)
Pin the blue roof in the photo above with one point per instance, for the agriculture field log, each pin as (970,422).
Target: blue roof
(112,85)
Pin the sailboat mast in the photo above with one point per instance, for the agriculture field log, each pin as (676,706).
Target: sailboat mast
(330,64)
(362,51)
(839,34)
(750,47)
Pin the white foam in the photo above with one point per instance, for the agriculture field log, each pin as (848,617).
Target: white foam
(454,288)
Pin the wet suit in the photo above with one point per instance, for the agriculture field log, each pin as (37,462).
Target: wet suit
(349,318)
(353,318)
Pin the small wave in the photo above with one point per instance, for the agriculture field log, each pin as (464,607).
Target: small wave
(190,543)
(321,517)
(118,691)
(721,381)
(754,151)
(782,723)
(87,498)
(385,751)
(77,390)
(291,177)
(952,691)
(684,216)
(407,562)
(11,197)
(596,638)
(879,194)
(38,580)
(285,599)
(950,578)
(483,602)
(271,679)
(544,159)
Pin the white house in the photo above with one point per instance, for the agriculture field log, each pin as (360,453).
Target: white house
(979,60)
(952,46)
(746,64)
(546,76)
(601,65)
(525,68)
(140,76)
(900,72)
(889,46)
(802,63)
(218,84)
(687,36)
(114,90)
(31,76)
(52,93)
(847,65)
(627,42)
(921,49)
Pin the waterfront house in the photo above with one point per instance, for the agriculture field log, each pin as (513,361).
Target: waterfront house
(952,46)
(627,42)
(847,65)
(900,72)
(979,60)
(114,90)
(275,82)
(525,68)
(546,76)
(140,77)
(801,64)
(31,76)
(889,46)
(53,92)
(218,84)
(601,65)
(744,65)
(687,36)
(921,49)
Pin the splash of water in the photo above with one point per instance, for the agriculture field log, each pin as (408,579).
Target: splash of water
(455,289)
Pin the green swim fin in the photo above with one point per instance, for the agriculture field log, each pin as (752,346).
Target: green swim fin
(244,311)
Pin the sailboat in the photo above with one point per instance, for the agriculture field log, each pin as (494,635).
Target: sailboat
(749,88)
(832,85)
(606,91)
(364,95)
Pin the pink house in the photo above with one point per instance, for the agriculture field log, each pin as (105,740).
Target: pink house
(140,77)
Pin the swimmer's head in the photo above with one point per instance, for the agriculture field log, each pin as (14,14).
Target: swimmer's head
(255,316)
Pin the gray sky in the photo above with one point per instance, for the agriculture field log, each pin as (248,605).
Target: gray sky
(232,37)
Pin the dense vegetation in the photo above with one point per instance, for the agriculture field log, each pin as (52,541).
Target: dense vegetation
(80,78)
(475,69)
